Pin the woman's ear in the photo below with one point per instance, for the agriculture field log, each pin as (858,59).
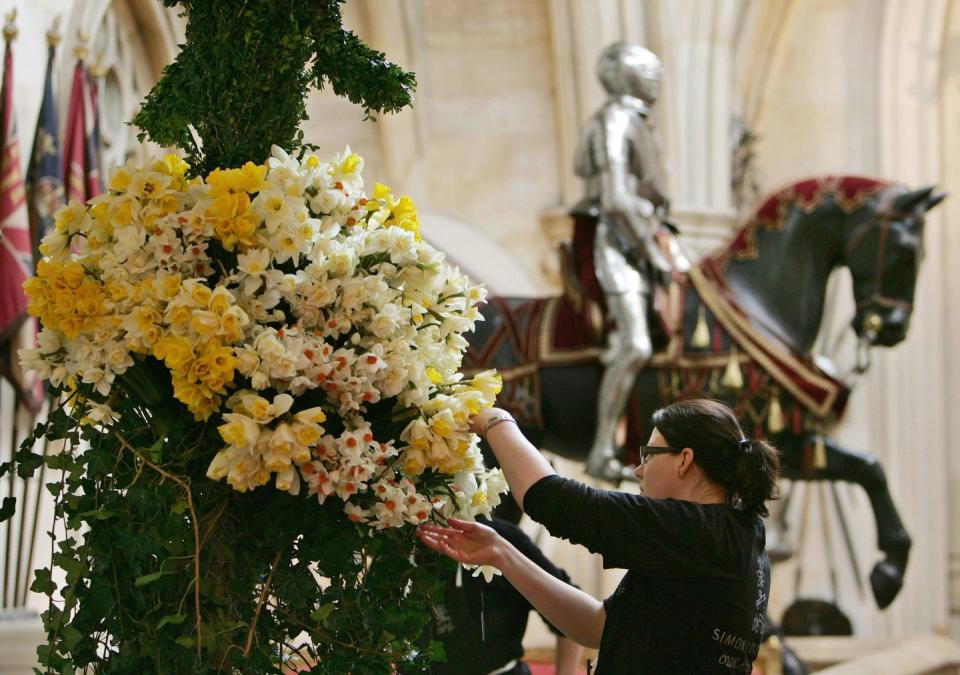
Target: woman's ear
(686,461)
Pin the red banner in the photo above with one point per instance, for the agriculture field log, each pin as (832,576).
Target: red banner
(81,176)
(16,251)
(16,258)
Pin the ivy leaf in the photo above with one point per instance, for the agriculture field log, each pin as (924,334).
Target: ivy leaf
(28,464)
(172,619)
(8,508)
(43,583)
(323,613)
(150,578)
(43,654)
(71,637)
(70,565)
(185,641)
(154,452)
(98,514)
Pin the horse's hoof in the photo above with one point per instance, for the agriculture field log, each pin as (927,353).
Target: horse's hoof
(886,580)
(790,663)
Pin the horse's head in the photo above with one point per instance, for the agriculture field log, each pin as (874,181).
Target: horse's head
(883,253)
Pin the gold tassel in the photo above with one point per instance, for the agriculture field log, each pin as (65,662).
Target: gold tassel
(701,333)
(819,453)
(732,377)
(775,422)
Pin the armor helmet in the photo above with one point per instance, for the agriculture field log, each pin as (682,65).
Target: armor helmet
(626,69)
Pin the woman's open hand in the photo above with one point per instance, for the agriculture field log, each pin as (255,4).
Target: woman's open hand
(466,542)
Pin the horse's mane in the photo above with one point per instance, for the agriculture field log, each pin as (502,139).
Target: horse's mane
(848,193)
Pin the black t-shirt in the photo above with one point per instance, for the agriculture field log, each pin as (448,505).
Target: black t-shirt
(694,597)
(480,624)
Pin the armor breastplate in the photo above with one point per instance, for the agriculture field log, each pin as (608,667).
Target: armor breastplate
(619,132)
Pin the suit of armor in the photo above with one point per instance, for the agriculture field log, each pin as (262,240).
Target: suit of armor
(619,160)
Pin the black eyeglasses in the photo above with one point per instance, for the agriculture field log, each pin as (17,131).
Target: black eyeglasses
(647,451)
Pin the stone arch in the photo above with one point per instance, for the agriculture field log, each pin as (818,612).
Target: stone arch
(478,255)
(133,40)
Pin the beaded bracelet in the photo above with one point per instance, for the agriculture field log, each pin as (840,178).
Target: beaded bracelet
(494,421)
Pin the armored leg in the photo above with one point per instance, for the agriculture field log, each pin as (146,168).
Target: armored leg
(625,290)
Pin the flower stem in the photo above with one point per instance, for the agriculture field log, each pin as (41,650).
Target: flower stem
(260,601)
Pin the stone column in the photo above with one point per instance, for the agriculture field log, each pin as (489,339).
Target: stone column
(909,394)
(697,41)
(950,255)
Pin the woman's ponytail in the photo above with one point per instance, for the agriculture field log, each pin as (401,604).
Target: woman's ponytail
(755,479)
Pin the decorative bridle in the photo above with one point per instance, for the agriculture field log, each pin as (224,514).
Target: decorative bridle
(873,320)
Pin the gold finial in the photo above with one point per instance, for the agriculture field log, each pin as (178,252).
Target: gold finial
(99,68)
(81,51)
(732,376)
(53,35)
(10,27)
(701,332)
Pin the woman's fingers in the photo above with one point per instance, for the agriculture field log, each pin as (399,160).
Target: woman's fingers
(440,545)
(462,525)
(436,534)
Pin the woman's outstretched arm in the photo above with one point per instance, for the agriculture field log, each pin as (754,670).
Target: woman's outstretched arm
(576,614)
(522,463)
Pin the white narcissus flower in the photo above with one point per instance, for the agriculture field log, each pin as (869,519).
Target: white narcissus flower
(127,240)
(48,342)
(239,430)
(345,170)
(260,409)
(284,246)
(254,264)
(324,299)
(276,208)
(280,448)
(320,482)
(34,360)
(356,513)
(496,485)
(280,159)
(389,513)
(488,572)
(220,466)
(288,480)
(102,414)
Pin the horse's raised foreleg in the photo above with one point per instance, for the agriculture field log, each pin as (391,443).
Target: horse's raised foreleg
(865,470)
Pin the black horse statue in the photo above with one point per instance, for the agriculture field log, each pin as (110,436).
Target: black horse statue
(739,327)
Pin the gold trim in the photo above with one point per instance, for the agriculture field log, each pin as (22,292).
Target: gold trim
(706,361)
(747,337)
(546,354)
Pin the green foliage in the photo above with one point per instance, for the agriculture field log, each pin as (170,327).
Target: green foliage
(165,570)
(138,595)
(244,72)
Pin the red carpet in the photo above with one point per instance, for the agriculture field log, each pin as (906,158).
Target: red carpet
(537,668)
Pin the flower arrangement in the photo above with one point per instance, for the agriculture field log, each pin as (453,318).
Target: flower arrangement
(262,330)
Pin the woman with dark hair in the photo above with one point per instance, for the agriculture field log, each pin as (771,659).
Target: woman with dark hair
(694,597)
